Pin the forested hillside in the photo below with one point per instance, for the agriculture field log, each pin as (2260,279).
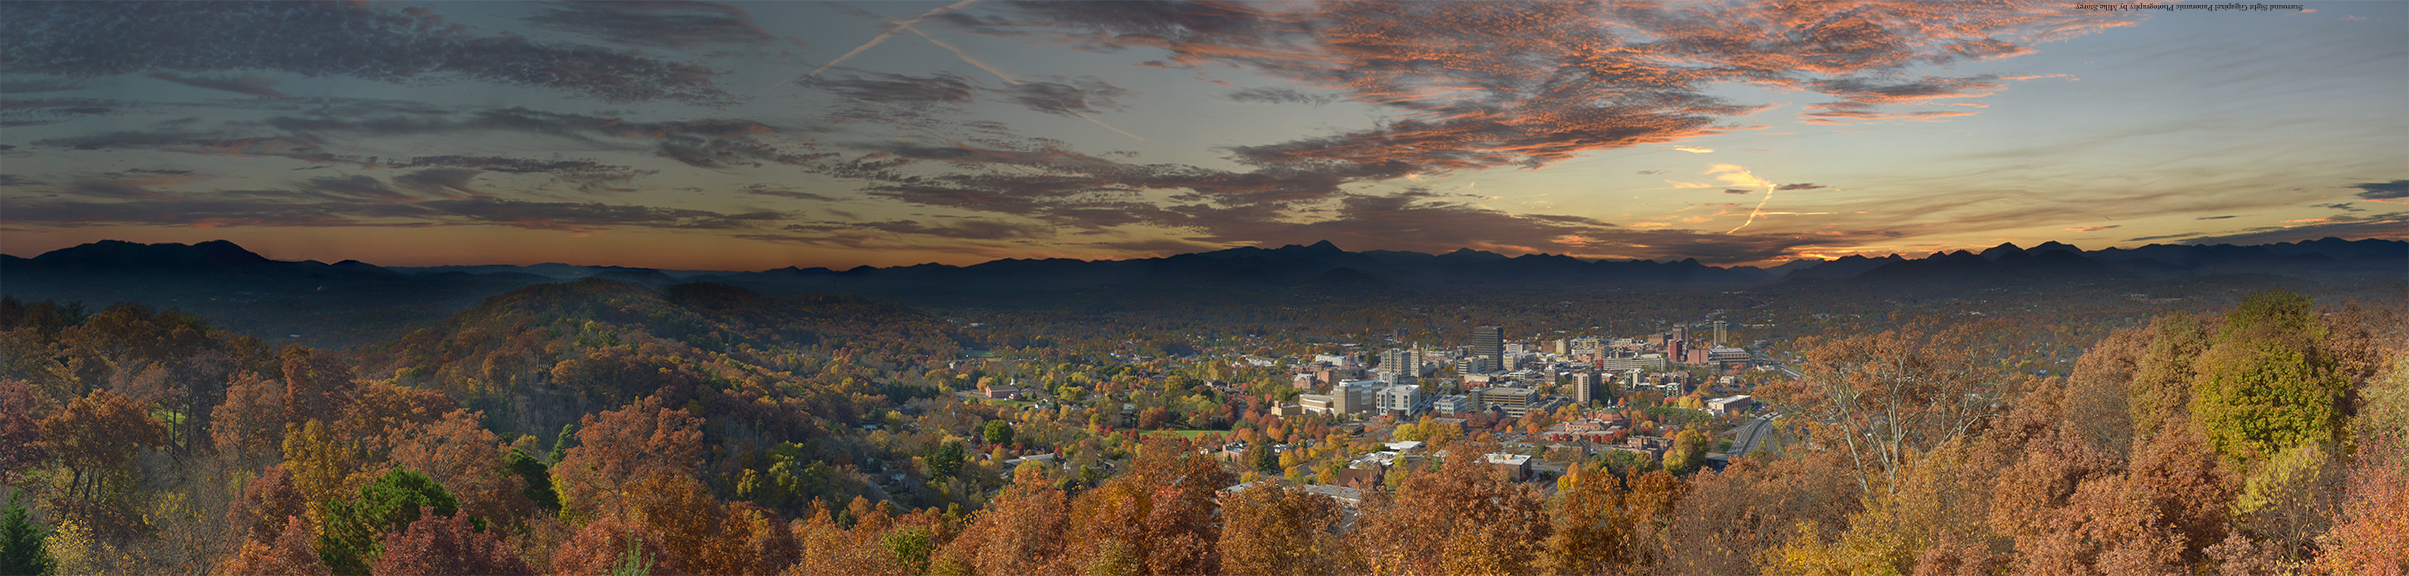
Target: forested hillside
(598,427)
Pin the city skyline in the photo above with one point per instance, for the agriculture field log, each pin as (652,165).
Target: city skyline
(752,136)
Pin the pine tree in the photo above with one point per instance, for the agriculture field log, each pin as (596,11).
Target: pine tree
(21,541)
(350,540)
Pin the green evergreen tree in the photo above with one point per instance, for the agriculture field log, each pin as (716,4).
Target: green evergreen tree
(1260,456)
(355,529)
(21,542)
(634,563)
(946,461)
(538,477)
(560,444)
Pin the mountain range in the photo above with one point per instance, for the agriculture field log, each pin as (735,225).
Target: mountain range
(347,301)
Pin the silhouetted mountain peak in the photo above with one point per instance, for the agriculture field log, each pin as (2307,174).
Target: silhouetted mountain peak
(1322,247)
(2003,249)
(122,253)
(2053,246)
(1466,255)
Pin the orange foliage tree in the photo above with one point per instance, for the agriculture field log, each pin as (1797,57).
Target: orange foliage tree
(2371,528)
(467,460)
(1885,397)
(250,421)
(267,504)
(604,543)
(289,555)
(20,434)
(436,545)
(316,384)
(1271,529)
(1476,519)
(619,447)
(1020,532)
(96,437)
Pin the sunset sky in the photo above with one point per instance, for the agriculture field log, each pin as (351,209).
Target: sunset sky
(748,136)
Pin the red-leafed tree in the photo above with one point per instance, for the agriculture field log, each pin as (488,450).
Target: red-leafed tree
(290,555)
(606,543)
(681,511)
(97,437)
(445,545)
(618,447)
(249,424)
(1181,534)
(754,541)
(384,415)
(316,384)
(20,434)
(467,460)
(266,503)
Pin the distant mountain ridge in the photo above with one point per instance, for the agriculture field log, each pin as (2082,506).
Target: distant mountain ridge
(1288,266)
(351,302)
(1320,262)
(2053,260)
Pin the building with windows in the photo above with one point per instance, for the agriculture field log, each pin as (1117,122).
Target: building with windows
(1584,345)
(1406,399)
(1730,405)
(1453,404)
(1489,342)
(1516,466)
(1643,361)
(1404,362)
(1727,356)
(1587,388)
(1356,397)
(1515,401)
(1317,403)
(1474,365)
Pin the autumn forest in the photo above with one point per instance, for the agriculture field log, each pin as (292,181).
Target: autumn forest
(599,427)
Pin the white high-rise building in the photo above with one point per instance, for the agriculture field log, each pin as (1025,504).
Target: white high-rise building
(1407,399)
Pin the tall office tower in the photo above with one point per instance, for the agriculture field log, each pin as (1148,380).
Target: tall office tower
(1718,333)
(1489,342)
(1586,386)
(1400,362)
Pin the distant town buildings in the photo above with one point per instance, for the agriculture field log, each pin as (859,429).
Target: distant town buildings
(1643,361)
(1406,400)
(1731,405)
(1489,342)
(1587,390)
(1515,401)
(1452,404)
(1473,365)
(1356,397)
(1516,466)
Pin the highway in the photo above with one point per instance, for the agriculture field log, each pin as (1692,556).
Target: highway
(1751,435)
(1755,359)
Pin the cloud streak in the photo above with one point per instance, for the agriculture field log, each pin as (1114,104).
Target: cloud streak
(85,39)
(249,83)
(2383,190)
(655,24)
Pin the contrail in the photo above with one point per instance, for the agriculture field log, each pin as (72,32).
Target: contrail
(958,52)
(882,37)
(965,56)
(1752,214)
